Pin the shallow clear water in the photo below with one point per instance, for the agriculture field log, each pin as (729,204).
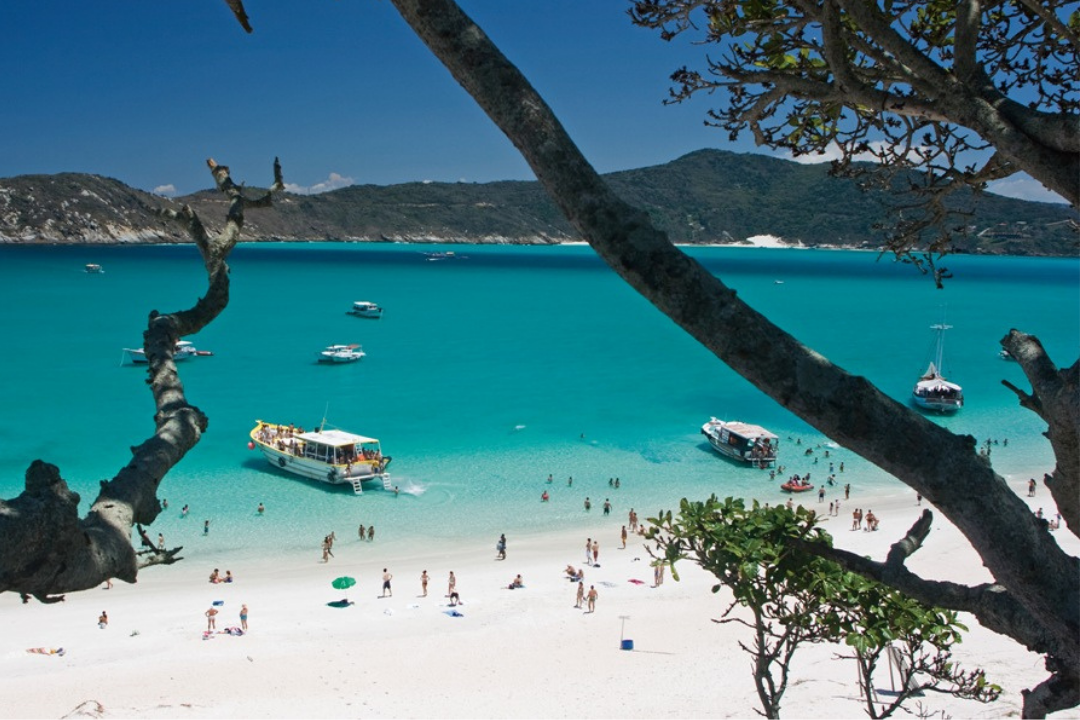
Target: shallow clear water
(487,372)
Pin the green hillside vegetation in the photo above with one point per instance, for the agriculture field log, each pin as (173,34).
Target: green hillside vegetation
(706,197)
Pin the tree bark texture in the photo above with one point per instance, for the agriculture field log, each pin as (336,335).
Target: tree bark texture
(47,549)
(1026,562)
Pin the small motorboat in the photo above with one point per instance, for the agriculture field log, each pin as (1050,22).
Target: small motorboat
(365,309)
(796,487)
(340,354)
(184,350)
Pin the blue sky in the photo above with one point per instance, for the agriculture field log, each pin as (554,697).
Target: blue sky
(341,90)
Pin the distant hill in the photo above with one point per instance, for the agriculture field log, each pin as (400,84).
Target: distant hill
(706,197)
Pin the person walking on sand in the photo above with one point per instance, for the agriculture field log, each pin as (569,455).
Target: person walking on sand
(623,536)
(243,617)
(588,551)
(103,620)
(386,577)
(452,583)
(633,520)
(580,594)
(211,615)
(595,552)
(423,582)
(592,598)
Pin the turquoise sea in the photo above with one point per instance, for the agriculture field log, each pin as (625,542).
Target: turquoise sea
(488,372)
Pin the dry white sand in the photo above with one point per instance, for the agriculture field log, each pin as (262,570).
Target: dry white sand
(513,653)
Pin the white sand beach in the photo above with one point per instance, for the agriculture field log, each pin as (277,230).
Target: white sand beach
(519,653)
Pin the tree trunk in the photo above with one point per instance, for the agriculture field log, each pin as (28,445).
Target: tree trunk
(1017,548)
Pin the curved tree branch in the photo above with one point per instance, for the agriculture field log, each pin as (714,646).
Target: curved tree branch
(48,549)
(1018,550)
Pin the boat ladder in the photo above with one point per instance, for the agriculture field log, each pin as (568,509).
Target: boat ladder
(387,485)
(357,486)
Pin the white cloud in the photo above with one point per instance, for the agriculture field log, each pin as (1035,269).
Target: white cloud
(832,152)
(1024,187)
(168,190)
(333,182)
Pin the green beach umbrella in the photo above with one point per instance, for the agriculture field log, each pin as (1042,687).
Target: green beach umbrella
(344,583)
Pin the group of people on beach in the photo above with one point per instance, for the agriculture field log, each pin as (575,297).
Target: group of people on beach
(857,519)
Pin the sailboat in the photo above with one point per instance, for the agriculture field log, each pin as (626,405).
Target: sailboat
(932,391)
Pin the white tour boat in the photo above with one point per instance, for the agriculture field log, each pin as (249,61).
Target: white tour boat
(335,457)
(94,269)
(340,354)
(365,309)
(932,391)
(184,350)
(742,441)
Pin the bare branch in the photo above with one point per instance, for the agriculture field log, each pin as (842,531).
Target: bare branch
(48,549)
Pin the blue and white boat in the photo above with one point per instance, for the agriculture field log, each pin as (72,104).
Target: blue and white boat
(933,392)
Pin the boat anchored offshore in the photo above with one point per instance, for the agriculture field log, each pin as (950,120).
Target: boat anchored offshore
(184,350)
(932,391)
(742,441)
(365,309)
(334,457)
(94,269)
(340,354)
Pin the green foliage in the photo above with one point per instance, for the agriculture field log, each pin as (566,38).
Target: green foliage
(760,556)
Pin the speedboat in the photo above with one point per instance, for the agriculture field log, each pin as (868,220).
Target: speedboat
(340,354)
(334,457)
(742,441)
(932,391)
(365,309)
(184,350)
(94,269)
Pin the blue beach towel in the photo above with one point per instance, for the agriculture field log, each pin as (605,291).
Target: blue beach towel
(219,602)
(454,613)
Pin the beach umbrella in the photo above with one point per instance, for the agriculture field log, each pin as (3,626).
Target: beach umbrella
(344,583)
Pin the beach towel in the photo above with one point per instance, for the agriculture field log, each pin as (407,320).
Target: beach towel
(454,613)
(606,583)
(636,581)
(219,603)
(46,651)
